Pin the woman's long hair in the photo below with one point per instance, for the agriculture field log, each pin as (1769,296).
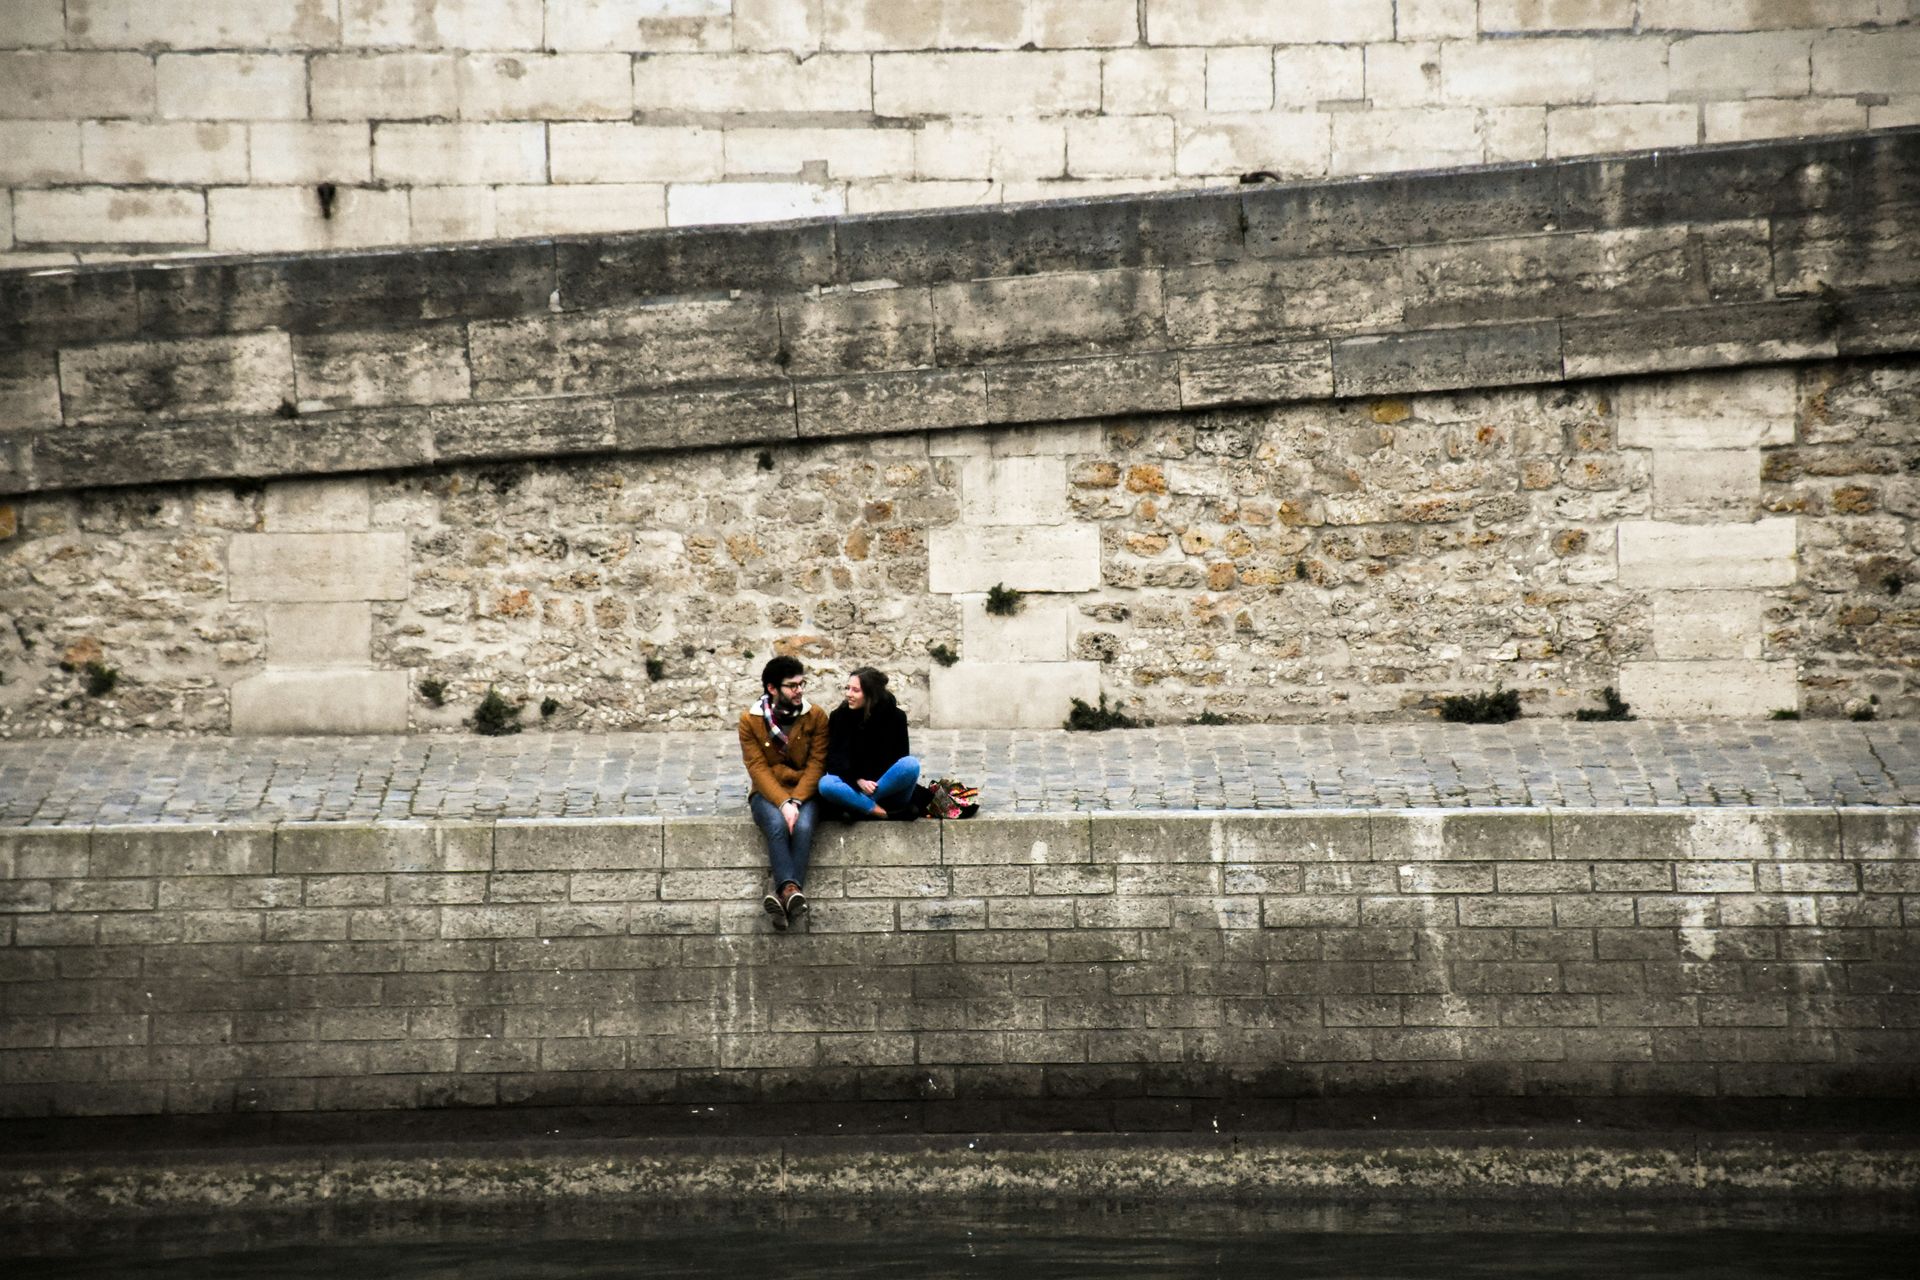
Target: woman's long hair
(873,685)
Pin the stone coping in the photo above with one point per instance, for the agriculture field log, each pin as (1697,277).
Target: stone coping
(1540,1165)
(245,369)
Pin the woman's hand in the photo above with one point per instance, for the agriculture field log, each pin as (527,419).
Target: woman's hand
(867,788)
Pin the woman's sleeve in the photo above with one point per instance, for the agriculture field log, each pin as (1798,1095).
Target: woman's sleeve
(903,747)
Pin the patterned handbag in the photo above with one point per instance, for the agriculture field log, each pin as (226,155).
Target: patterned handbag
(950,798)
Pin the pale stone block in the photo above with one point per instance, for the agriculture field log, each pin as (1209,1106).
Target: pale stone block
(560,86)
(1707,624)
(439,214)
(844,153)
(995,150)
(977,84)
(317,506)
(1009,695)
(1425,19)
(1694,483)
(871,25)
(257,219)
(231,86)
(1040,632)
(1289,143)
(342,700)
(1240,79)
(1628,69)
(1016,190)
(394,86)
(1506,73)
(702,204)
(204,24)
(1082,24)
(1761,64)
(1788,118)
(634,153)
(1308,75)
(1063,440)
(69,86)
(1754,15)
(110,215)
(1514,133)
(1580,131)
(908,196)
(34,23)
(1380,141)
(1655,553)
(311,153)
(1867,62)
(1149,81)
(460,154)
(1119,146)
(1013,491)
(583,210)
(1747,409)
(278,568)
(443,24)
(1218,22)
(1403,75)
(1507,17)
(29,390)
(123,151)
(777,24)
(1053,558)
(1708,690)
(1895,114)
(596,26)
(320,635)
(416,364)
(752,82)
(39,151)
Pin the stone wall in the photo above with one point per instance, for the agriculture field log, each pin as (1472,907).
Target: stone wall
(1103,972)
(167,126)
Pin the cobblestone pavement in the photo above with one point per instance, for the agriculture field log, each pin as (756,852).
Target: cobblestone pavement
(55,782)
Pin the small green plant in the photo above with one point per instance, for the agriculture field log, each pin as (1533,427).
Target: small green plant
(548,706)
(1614,710)
(1208,717)
(434,691)
(1092,719)
(495,716)
(657,668)
(1002,601)
(1784,713)
(943,655)
(764,460)
(101,679)
(1497,707)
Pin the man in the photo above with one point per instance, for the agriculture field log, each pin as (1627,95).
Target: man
(783,739)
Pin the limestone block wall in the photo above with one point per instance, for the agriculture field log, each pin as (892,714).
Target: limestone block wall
(156,127)
(1103,972)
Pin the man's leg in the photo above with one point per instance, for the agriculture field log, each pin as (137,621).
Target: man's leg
(801,842)
(773,825)
(896,784)
(844,795)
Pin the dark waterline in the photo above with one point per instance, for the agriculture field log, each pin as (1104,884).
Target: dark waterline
(1098,1238)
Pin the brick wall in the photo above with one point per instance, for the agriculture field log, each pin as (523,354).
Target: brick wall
(168,126)
(1068,971)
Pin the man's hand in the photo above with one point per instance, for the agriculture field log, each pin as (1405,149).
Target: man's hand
(791,812)
(867,787)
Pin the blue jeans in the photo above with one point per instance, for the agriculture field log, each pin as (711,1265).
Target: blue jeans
(894,786)
(787,852)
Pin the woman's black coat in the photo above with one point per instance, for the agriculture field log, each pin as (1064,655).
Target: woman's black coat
(860,746)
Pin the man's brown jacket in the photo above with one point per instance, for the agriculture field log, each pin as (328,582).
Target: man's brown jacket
(794,772)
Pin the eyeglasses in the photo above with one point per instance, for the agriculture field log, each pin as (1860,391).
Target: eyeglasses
(793,684)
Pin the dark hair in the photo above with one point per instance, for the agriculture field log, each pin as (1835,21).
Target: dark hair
(873,684)
(780,670)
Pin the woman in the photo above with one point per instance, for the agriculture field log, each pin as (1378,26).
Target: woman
(869,773)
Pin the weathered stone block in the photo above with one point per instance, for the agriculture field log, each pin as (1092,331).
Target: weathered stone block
(1584,131)
(1436,836)
(1765,835)
(986,83)
(320,635)
(304,153)
(1257,300)
(44,853)
(238,850)
(447,24)
(1027,695)
(1227,22)
(1295,143)
(268,24)
(1037,633)
(1263,374)
(878,403)
(1698,338)
(843,153)
(1476,356)
(1709,689)
(1706,483)
(714,844)
(629,349)
(332,700)
(1752,408)
(839,845)
(1057,558)
(125,151)
(1037,317)
(29,390)
(408,86)
(64,86)
(587,209)
(1013,491)
(1677,556)
(426,364)
(1427,137)
(1032,840)
(259,219)
(1690,625)
(521,429)
(318,567)
(565,86)
(1856,249)
(186,378)
(864,329)
(38,151)
(623,271)
(1880,834)
(701,416)
(316,506)
(613,844)
(1099,387)
(339,848)
(231,86)
(453,154)
(111,216)
(753,82)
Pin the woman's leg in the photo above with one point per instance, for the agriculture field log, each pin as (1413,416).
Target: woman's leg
(845,795)
(773,825)
(896,784)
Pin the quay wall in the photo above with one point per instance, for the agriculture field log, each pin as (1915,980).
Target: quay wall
(1138,972)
